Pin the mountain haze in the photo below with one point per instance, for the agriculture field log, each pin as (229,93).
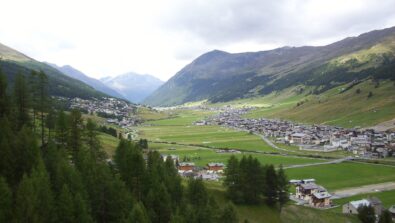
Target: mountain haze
(132,86)
(96,84)
(221,76)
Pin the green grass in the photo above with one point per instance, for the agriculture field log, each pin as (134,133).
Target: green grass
(290,213)
(108,142)
(212,136)
(300,214)
(387,197)
(202,156)
(181,117)
(344,175)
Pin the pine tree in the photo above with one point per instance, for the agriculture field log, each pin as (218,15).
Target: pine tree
(385,217)
(21,101)
(26,154)
(4,99)
(50,122)
(5,201)
(232,179)
(229,214)
(139,215)
(76,132)
(92,141)
(7,153)
(43,101)
(62,129)
(283,187)
(366,214)
(34,201)
(65,206)
(270,190)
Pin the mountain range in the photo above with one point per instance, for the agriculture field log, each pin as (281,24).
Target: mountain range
(219,76)
(132,86)
(96,84)
(13,62)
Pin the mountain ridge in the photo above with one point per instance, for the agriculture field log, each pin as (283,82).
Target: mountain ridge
(221,76)
(94,83)
(13,62)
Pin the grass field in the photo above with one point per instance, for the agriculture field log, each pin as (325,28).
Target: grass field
(202,156)
(344,175)
(108,142)
(181,117)
(212,136)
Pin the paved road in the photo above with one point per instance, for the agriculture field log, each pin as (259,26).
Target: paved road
(271,144)
(363,190)
(321,163)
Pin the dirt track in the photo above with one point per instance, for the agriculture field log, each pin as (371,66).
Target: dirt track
(363,190)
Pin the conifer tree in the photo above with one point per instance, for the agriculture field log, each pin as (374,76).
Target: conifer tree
(65,206)
(139,214)
(26,154)
(62,129)
(366,214)
(7,153)
(4,100)
(21,101)
(283,187)
(76,132)
(385,217)
(232,179)
(34,201)
(229,214)
(43,101)
(5,201)
(270,190)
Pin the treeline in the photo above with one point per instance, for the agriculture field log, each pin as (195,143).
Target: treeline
(53,169)
(108,130)
(249,182)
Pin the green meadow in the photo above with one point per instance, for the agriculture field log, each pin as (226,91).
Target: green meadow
(202,156)
(344,175)
(210,136)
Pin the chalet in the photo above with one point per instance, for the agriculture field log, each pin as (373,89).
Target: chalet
(216,167)
(321,199)
(352,206)
(186,166)
(313,194)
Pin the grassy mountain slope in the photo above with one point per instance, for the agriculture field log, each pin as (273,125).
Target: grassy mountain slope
(341,106)
(220,76)
(13,62)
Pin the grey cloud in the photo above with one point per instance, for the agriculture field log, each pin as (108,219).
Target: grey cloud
(285,22)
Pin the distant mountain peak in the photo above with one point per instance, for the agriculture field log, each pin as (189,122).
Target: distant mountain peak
(133,86)
(94,83)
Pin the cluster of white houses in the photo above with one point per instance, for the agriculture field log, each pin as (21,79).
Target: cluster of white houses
(212,171)
(117,112)
(364,143)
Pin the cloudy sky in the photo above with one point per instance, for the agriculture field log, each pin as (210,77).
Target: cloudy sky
(107,38)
